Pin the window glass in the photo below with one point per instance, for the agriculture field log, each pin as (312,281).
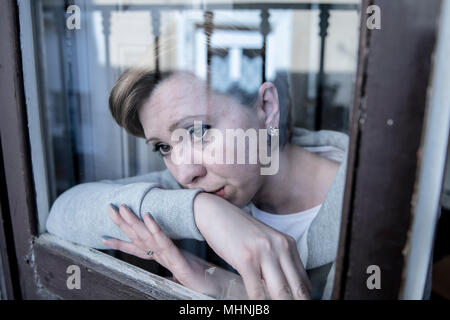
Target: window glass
(307,50)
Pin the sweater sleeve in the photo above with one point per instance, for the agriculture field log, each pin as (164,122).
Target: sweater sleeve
(80,214)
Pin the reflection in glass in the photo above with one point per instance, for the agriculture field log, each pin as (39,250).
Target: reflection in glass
(307,50)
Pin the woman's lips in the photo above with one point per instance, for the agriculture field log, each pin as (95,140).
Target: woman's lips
(220,192)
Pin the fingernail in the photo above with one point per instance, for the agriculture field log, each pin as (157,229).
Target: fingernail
(114,206)
(126,207)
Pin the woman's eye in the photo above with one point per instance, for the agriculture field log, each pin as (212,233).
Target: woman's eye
(198,132)
(163,149)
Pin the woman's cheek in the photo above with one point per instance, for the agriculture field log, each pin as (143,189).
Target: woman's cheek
(246,182)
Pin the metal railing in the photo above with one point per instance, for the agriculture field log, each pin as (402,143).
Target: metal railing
(209,27)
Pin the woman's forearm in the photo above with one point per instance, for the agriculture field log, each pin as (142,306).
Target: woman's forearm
(253,248)
(80,214)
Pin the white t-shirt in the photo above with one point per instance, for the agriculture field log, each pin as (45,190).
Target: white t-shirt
(295,224)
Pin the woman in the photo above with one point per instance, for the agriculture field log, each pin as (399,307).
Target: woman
(205,201)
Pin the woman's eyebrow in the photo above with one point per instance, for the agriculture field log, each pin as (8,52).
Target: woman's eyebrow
(150,139)
(178,123)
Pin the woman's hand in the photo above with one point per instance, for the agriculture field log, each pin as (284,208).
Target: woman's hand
(149,236)
(187,269)
(267,259)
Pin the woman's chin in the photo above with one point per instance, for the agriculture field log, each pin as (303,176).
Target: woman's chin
(233,196)
(238,202)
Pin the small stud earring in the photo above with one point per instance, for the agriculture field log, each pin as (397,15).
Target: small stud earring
(273,131)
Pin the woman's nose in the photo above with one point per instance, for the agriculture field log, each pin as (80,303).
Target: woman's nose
(188,174)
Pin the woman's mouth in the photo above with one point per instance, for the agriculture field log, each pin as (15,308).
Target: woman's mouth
(220,192)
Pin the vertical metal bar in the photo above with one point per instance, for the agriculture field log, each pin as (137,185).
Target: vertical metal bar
(156,28)
(67,44)
(208,28)
(264,29)
(124,139)
(106,24)
(324,15)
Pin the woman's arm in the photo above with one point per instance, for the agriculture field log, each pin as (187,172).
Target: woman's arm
(187,269)
(269,264)
(80,214)
(263,256)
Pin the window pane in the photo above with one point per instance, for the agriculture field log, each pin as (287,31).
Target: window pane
(308,51)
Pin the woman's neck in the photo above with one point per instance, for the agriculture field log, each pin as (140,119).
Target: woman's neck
(301,183)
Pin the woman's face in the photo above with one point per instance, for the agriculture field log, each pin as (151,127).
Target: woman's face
(175,104)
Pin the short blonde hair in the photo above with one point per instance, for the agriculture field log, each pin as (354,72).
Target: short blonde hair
(130,91)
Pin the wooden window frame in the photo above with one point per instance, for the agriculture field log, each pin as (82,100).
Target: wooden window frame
(386,85)
(392,83)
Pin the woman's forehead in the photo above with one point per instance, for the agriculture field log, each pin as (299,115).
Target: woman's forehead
(177,99)
(180,91)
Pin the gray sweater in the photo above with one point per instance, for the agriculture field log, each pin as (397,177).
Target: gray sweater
(80,214)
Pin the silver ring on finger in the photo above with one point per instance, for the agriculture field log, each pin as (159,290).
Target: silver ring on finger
(149,253)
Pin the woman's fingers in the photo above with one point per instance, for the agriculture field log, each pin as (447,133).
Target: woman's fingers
(278,271)
(122,224)
(145,236)
(135,224)
(163,241)
(275,279)
(292,269)
(293,278)
(168,253)
(298,282)
(126,247)
(136,232)
(253,282)
(295,272)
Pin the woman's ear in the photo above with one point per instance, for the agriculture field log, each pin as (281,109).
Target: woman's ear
(268,104)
